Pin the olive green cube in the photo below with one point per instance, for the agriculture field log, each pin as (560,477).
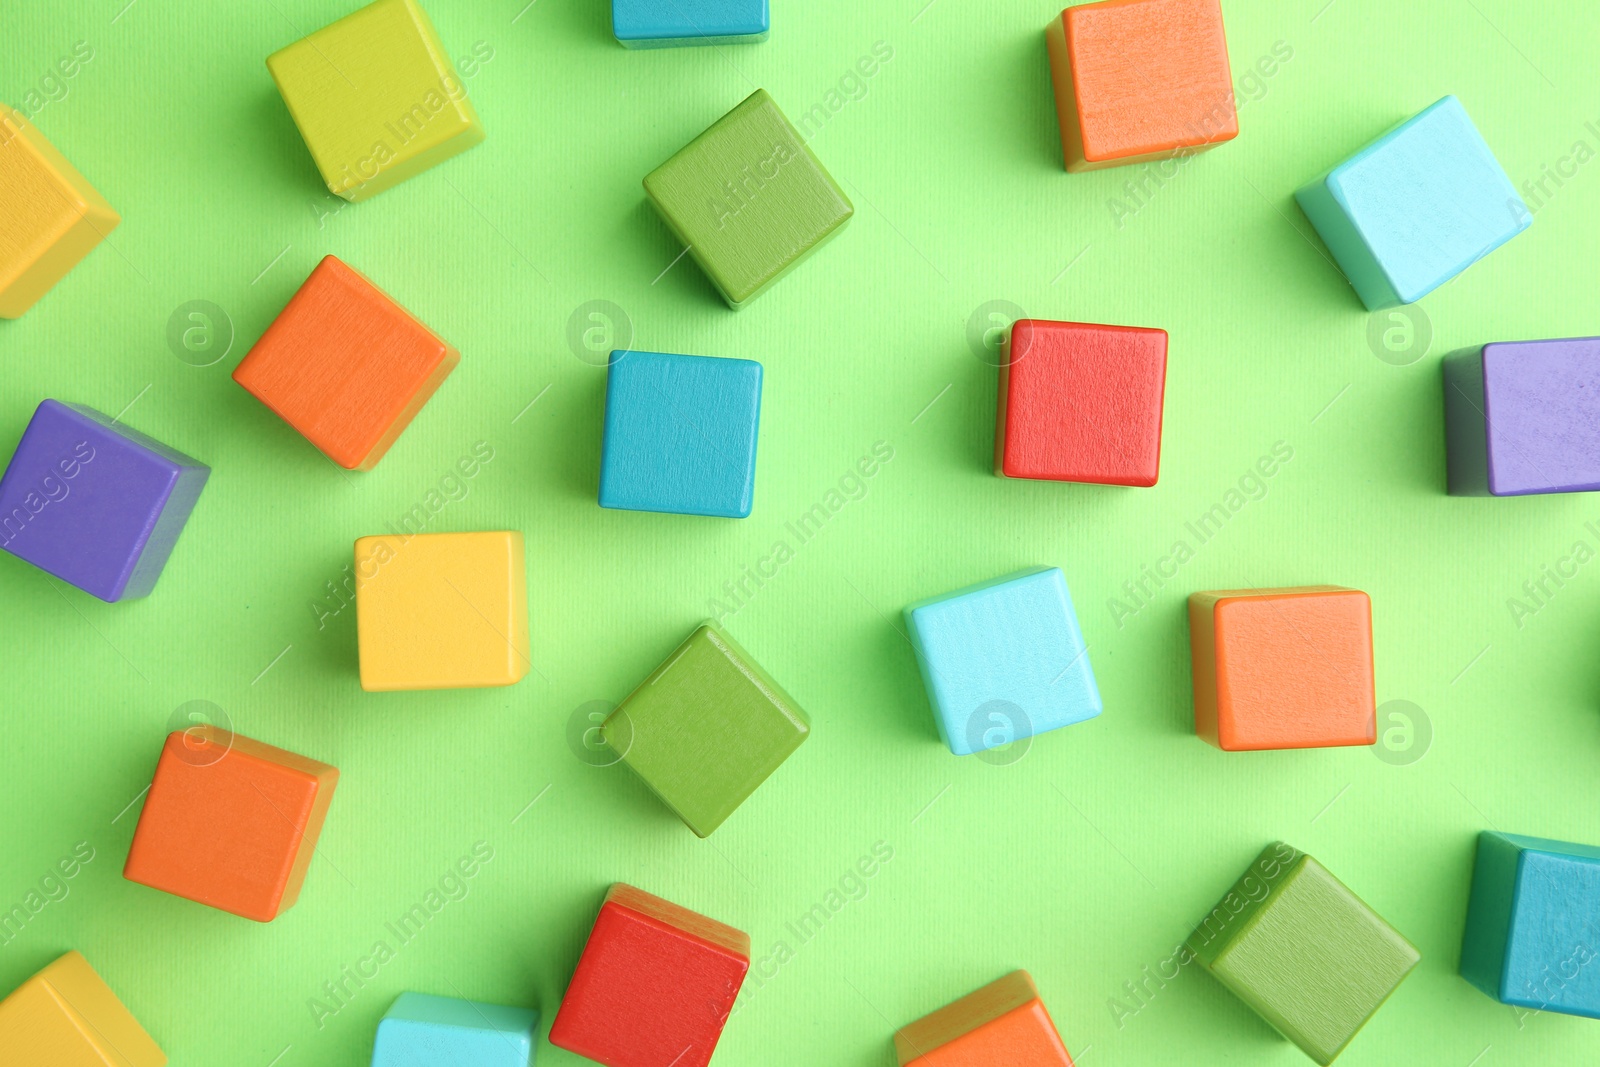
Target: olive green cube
(749,199)
(706,729)
(1302,950)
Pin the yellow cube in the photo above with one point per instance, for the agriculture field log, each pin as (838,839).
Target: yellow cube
(441,611)
(66,1016)
(51,219)
(376,98)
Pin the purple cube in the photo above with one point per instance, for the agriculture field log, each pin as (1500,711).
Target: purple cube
(1524,417)
(94,503)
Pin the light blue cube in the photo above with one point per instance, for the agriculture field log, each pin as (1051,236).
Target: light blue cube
(1003,660)
(426,1031)
(1532,936)
(665,23)
(680,434)
(1416,207)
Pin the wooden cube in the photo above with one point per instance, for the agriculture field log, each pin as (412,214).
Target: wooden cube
(420,1030)
(680,434)
(1137,80)
(1003,660)
(1081,403)
(1302,951)
(654,985)
(53,216)
(376,98)
(1283,668)
(1416,207)
(1532,931)
(666,23)
(441,611)
(346,366)
(94,502)
(66,1016)
(1524,418)
(230,822)
(1004,1024)
(706,728)
(749,199)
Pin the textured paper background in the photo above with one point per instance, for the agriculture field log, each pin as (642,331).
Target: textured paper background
(1087,860)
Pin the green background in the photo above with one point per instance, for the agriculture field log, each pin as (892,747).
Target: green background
(1086,860)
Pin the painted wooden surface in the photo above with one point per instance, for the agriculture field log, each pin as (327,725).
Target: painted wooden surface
(1523,418)
(421,1030)
(441,611)
(665,23)
(1004,1024)
(1283,668)
(1302,950)
(53,217)
(94,502)
(1533,924)
(1003,660)
(749,199)
(67,1016)
(230,822)
(654,985)
(376,98)
(1137,80)
(680,434)
(346,366)
(1416,207)
(1081,403)
(706,729)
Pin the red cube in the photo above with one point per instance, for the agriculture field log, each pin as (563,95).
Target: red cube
(654,985)
(1081,403)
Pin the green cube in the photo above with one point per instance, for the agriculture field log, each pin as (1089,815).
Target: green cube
(748,198)
(1302,950)
(706,728)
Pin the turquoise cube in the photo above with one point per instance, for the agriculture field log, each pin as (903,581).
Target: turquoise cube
(1003,660)
(1533,924)
(1416,207)
(680,434)
(666,23)
(426,1031)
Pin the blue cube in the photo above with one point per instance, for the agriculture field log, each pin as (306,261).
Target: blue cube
(1003,661)
(680,434)
(1416,207)
(426,1031)
(95,502)
(665,23)
(1533,924)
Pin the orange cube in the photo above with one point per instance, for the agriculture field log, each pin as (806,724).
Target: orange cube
(230,822)
(52,217)
(1004,1024)
(1137,80)
(66,1016)
(1283,668)
(346,366)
